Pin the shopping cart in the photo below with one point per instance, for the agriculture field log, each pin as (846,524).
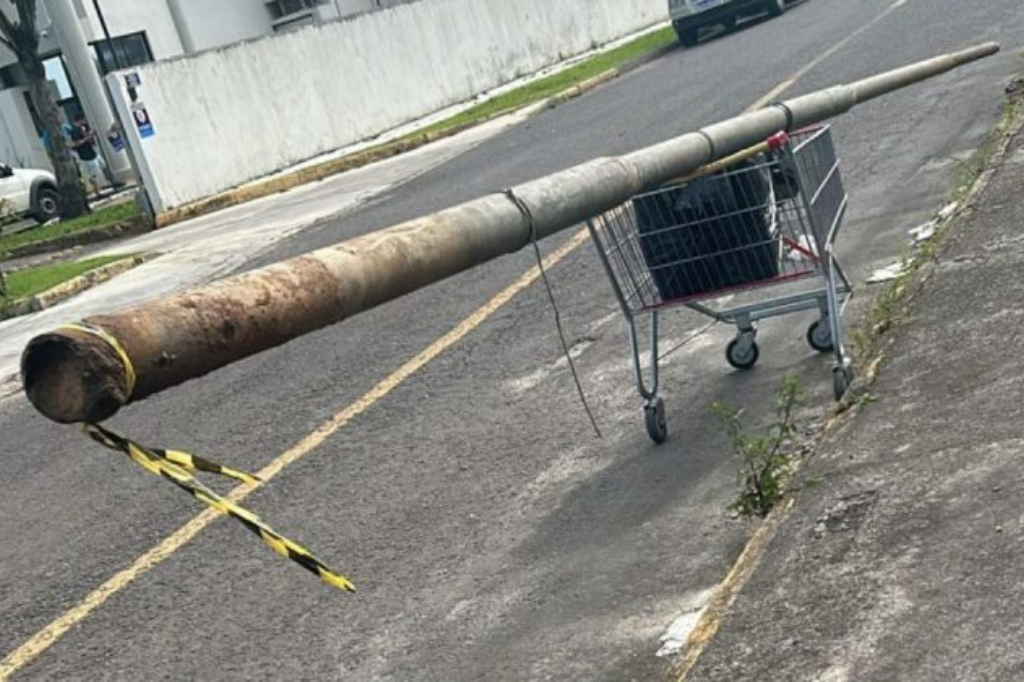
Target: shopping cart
(719,240)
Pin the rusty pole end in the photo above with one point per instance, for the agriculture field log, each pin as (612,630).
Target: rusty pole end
(73,377)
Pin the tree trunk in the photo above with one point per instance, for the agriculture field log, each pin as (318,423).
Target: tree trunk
(69,184)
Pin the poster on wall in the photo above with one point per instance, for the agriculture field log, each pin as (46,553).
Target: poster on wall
(142,120)
(115,138)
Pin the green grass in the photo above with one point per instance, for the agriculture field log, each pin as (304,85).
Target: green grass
(552,85)
(33,281)
(100,218)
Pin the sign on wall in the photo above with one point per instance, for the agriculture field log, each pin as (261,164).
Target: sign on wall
(142,120)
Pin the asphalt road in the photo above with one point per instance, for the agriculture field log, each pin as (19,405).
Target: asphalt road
(492,536)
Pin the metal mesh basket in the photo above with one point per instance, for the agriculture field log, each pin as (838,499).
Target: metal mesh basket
(759,222)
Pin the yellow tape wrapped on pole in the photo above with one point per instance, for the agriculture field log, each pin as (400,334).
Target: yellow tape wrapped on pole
(176,467)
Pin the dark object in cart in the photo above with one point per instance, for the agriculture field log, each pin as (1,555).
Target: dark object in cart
(711,233)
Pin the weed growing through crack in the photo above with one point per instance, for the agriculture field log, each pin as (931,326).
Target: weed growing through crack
(891,304)
(768,457)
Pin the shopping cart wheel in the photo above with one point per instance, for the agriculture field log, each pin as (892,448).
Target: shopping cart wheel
(842,378)
(819,335)
(654,417)
(742,353)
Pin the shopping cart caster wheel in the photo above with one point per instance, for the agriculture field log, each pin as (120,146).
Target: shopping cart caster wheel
(742,353)
(654,417)
(819,336)
(842,378)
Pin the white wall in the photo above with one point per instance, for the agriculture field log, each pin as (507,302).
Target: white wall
(228,116)
(19,144)
(203,24)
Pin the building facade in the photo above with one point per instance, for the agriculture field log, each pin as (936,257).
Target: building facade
(78,52)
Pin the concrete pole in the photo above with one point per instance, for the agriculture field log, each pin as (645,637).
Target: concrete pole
(180,18)
(81,66)
(89,372)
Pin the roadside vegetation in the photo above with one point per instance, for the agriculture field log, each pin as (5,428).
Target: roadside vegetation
(99,219)
(768,457)
(550,86)
(771,455)
(18,287)
(34,281)
(891,305)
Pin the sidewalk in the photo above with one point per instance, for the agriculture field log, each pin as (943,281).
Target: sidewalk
(903,558)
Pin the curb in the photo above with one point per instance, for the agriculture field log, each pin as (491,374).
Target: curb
(261,188)
(124,228)
(725,593)
(606,76)
(73,287)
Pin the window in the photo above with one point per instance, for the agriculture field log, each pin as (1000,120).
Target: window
(283,8)
(64,92)
(56,73)
(123,52)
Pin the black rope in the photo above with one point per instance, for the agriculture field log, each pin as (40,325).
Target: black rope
(711,145)
(528,215)
(789,114)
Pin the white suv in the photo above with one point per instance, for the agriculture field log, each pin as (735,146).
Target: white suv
(28,193)
(690,16)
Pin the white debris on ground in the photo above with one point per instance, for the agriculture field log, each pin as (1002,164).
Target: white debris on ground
(918,235)
(673,640)
(948,210)
(890,272)
(923,233)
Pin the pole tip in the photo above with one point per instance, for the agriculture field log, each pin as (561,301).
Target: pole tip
(71,377)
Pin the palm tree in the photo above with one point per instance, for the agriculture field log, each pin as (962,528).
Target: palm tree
(20,36)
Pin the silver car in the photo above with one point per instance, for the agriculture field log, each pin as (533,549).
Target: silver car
(690,16)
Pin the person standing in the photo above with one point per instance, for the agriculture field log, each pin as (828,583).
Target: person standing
(83,141)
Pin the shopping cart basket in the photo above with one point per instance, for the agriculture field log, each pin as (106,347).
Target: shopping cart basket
(739,241)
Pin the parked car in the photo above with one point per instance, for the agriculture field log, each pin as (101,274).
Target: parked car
(28,193)
(690,16)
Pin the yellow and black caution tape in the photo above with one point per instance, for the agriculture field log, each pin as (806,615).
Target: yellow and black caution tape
(194,463)
(175,466)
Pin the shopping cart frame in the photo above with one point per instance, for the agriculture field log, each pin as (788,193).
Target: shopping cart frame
(815,211)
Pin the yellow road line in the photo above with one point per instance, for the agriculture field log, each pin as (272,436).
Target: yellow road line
(49,635)
(44,639)
(711,619)
(774,93)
